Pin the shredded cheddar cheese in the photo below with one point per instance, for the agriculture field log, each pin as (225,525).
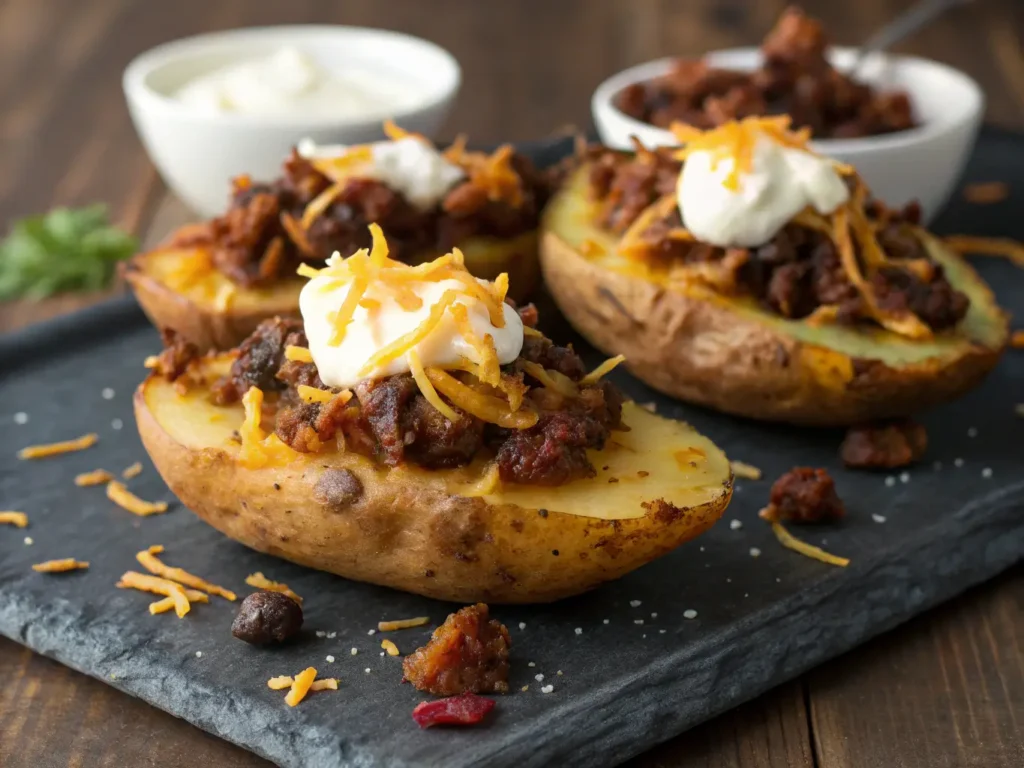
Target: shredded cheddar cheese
(167,604)
(17,519)
(484,407)
(391,626)
(970,245)
(148,559)
(1017,339)
(280,683)
(259,449)
(326,684)
(313,395)
(789,541)
(286,681)
(602,370)
(133,471)
(120,495)
(96,477)
(300,686)
(158,586)
(389,647)
(297,354)
(60,566)
(488,483)
(744,470)
(259,581)
(53,449)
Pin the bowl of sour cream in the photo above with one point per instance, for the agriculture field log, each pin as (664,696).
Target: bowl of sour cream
(219,105)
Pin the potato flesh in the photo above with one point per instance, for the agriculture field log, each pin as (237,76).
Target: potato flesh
(657,459)
(571,214)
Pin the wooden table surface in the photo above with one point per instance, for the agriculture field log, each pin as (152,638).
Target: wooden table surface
(945,690)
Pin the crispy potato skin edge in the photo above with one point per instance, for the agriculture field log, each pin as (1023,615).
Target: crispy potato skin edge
(209,328)
(405,536)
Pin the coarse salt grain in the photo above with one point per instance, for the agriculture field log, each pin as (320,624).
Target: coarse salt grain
(29,541)
(372,632)
(578,630)
(878,518)
(330,659)
(606,621)
(661,631)
(654,614)
(904,477)
(21,418)
(199,654)
(331,635)
(702,548)
(116,424)
(539,677)
(638,621)
(522,625)
(972,432)
(755,552)
(547,689)
(890,481)
(958,463)
(986,472)
(355,651)
(382,654)
(108,393)
(559,673)
(635,603)
(643,637)
(737,488)
(367,670)
(689,613)
(532,664)
(736,524)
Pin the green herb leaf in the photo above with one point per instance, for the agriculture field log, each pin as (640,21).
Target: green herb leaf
(63,250)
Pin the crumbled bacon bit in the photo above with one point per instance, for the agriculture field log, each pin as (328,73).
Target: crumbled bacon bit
(465,709)
(1017,340)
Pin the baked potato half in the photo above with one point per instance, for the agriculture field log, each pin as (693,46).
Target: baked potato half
(178,289)
(429,532)
(730,354)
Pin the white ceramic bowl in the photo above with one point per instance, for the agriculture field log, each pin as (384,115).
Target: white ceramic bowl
(920,164)
(197,153)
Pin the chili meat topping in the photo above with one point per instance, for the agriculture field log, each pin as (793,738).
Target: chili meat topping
(261,238)
(884,445)
(794,79)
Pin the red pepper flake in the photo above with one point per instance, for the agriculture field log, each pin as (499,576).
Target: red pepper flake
(464,709)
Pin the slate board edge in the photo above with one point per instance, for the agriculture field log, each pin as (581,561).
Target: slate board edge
(691,689)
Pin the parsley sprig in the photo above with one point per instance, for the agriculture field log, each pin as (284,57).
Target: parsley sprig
(63,250)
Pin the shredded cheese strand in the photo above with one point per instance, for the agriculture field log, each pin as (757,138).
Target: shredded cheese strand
(403,344)
(259,581)
(298,354)
(60,566)
(970,245)
(744,470)
(54,449)
(552,380)
(159,586)
(389,647)
(602,370)
(300,686)
(167,604)
(133,471)
(789,541)
(420,377)
(148,560)
(392,626)
(17,519)
(484,407)
(120,495)
(96,477)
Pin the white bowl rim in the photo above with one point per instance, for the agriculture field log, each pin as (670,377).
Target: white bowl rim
(606,91)
(134,79)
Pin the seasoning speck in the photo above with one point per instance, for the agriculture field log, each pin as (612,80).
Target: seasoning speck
(986,472)
(755,552)
(21,418)
(108,393)
(372,632)
(547,689)
(199,654)
(972,432)
(654,615)
(606,622)
(890,481)
(29,541)
(578,630)
(355,651)
(116,424)
(635,603)
(661,631)
(878,518)
(638,621)
(559,673)
(321,633)
(532,664)
(525,688)
(736,524)
(331,635)
(522,625)
(330,659)
(689,613)
(904,477)
(958,463)
(367,670)
(539,677)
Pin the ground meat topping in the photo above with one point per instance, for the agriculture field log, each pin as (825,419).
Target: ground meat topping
(795,79)
(804,495)
(260,357)
(267,618)
(177,354)
(627,184)
(884,445)
(466,654)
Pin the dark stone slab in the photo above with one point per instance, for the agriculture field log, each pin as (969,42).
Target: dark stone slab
(624,686)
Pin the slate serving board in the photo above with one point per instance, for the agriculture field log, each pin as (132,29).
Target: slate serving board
(628,668)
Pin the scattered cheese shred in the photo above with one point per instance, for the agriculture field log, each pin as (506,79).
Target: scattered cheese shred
(553,380)
(1017,339)
(148,559)
(313,395)
(167,604)
(789,541)
(53,449)
(133,471)
(96,477)
(259,581)
(389,647)
(17,519)
(420,377)
(326,684)
(60,566)
(286,681)
(602,370)
(486,485)
(298,354)
(986,192)
(258,448)
(300,686)
(484,407)
(987,246)
(222,300)
(158,586)
(280,683)
(744,470)
(391,626)
(120,495)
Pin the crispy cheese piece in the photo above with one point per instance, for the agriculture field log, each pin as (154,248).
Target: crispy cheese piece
(789,541)
(96,477)
(54,449)
(17,519)
(60,566)
(158,586)
(391,626)
(148,559)
(120,495)
(300,686)
(259,581)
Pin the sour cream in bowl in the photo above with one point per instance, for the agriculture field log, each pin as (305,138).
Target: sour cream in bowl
(215,106)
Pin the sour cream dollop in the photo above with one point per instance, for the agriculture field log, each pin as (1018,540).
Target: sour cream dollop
(781,182)
(290,81)
(409,165)
(373,329)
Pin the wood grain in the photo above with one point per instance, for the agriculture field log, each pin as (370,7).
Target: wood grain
(946,690)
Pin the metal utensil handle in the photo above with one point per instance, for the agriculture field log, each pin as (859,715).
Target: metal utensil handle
(901,27)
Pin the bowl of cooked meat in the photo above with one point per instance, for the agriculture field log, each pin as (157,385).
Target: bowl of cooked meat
(907,124)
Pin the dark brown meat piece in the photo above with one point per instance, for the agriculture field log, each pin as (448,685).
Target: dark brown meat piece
(804,495)
(543,351)
(174,360)
(627,184)
(935,301)
(884,445)
(382,402)
(260,357)
(267,618)
(466,654)
(437,442)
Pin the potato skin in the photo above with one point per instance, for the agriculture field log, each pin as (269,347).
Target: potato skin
(694,345)
(409,535)
(211,328)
